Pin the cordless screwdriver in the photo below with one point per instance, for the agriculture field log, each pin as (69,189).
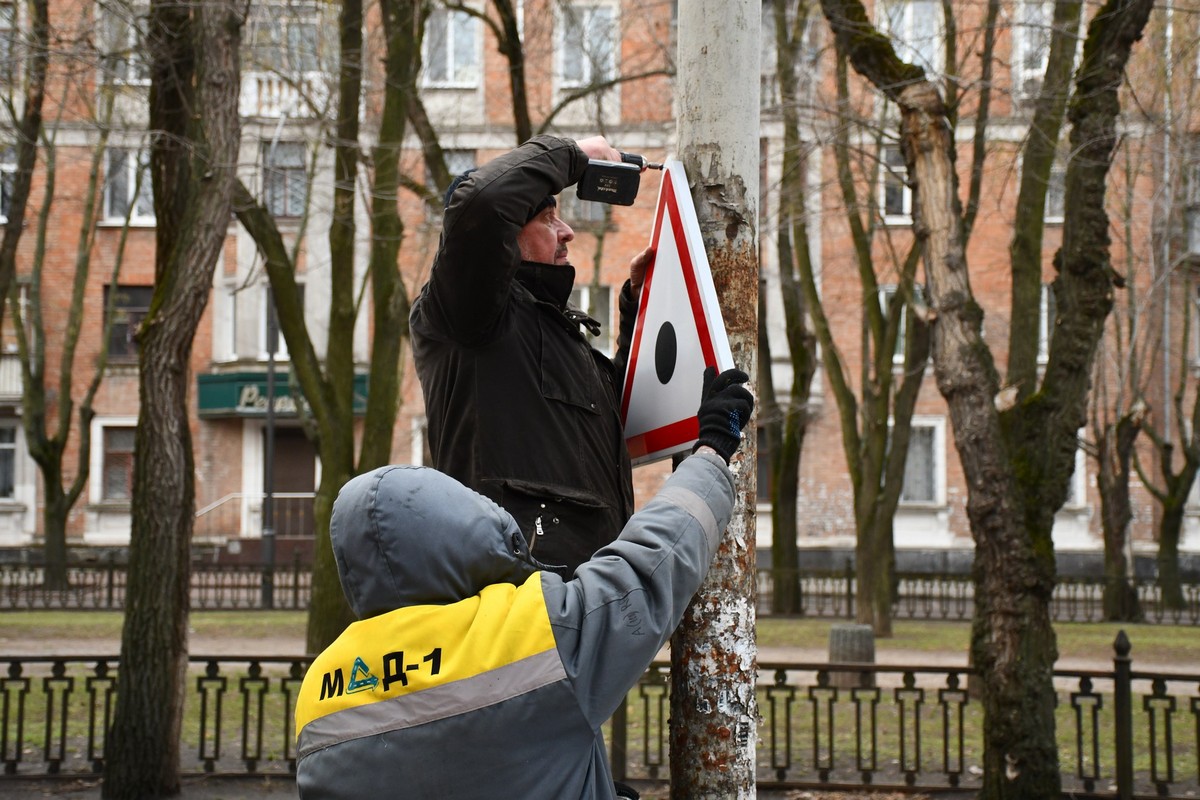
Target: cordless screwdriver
(614,182)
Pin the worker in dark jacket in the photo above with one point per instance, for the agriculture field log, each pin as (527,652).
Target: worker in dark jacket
(520,407)
(473,674)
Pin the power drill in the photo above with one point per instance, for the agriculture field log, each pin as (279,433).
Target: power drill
(613,182)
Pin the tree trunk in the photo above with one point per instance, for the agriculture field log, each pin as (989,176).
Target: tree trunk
(194,52)
(789,421)
(1120,600)
(714,712)
(1170,526)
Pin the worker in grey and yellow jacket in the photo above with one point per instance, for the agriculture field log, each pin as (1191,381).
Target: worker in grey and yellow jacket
(475,672)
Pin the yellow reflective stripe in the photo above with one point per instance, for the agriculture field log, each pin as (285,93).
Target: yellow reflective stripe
(430,705)
(415,649)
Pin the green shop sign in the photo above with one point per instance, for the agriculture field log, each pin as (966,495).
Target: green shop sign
(244,394)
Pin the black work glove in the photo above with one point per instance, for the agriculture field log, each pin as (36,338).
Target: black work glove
(725,408)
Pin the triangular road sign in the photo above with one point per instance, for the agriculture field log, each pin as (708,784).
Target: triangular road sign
(679,331)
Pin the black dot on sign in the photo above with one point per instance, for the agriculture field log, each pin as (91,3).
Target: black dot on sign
(666,352)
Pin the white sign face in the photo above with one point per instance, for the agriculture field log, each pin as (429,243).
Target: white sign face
(679,331)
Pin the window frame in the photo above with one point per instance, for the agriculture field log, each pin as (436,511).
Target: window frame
(937,424)
(1026,80)
(122,54)
(273,169)
(458,23)
(566,18)
(580,298)
(900,14)
(282,19)
(134,193)
(11,451)
(100,458)
(889,175)
(131,325)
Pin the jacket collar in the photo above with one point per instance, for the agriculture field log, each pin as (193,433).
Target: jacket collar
(550,283)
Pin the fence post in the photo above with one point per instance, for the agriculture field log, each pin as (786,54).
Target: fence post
(619,753)
(296,578)
(112,570)
(1123,714)
(849,589)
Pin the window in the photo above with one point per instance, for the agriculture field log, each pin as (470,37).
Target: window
(584,213)
(267,315)
(1047,312)
(8,461)
(924,465)
(8,172)
(886,293)
(451,49)
(916,28)
(897,196)
(596,302)
(587,45)
(1031,46)
(284,38)
(116,481)
(127,189)
(8,40)
(285,178)
(121,49)
(1056,194)
(1191,207)
(128,307)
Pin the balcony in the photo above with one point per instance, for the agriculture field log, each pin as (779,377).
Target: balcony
(273,96)
(11,385)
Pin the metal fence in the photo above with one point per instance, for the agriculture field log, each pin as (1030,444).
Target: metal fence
(851,727)
(822,595)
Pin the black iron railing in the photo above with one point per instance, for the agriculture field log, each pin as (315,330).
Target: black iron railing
(852,727)
(830,595)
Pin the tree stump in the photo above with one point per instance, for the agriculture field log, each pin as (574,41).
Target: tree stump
(851,643)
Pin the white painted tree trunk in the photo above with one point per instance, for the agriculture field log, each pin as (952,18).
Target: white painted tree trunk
(714,715)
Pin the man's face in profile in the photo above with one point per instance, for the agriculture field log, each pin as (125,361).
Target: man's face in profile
(544,238)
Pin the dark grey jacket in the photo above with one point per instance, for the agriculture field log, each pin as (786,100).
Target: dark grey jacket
(472,675)
(520,407)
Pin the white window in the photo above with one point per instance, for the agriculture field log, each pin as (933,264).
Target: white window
(1047,311)
(1056,194)
(916,30)
(897,196)
(596,302)
(116,466)
(284,38)
(127,189)
(1031,46)
(418,453)
(8,461)
(285,178)
(8,172)
(925,463)
(587,44)
(122,49)
(8,40)
(886,293)
(451,55)
(1191,208)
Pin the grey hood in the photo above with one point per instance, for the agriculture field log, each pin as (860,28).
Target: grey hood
(405,536)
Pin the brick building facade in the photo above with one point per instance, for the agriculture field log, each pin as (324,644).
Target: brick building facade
(287,85)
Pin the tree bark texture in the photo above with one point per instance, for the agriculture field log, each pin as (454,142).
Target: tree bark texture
(194,92)
(714,713)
